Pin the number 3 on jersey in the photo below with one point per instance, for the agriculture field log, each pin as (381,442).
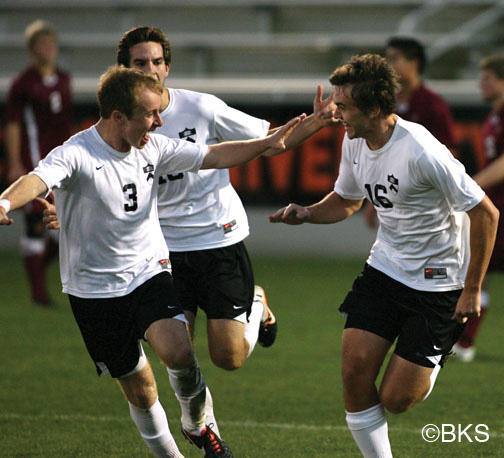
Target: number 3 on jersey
(131,191)
(378,199)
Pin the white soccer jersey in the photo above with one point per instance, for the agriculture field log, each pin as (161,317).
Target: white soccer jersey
(110,238)
(202,210)
(417,187)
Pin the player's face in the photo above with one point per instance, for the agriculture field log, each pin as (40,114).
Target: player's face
(404,68)
(355,122)
(491,87)
(148,57)
(145,119)
(45,50)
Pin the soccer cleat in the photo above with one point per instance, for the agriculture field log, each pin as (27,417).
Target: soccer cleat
(210,443)
(466,355)
(268,327)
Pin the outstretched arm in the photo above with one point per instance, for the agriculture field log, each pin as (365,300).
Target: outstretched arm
(331,209)
(484,219)
(323,115)
(19,193)
(230,154)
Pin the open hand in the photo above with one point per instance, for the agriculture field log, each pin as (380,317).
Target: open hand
(277,139)
(292,214)
(324,109)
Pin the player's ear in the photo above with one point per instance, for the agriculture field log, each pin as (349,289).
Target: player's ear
(118,117)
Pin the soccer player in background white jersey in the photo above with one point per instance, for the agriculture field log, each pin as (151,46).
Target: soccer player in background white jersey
(113,257)
(423,277)
(202,218)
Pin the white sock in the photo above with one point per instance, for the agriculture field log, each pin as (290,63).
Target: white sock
(433,377)
(370,431)
(190,389)
(154,429)
(251,331)
(209,413)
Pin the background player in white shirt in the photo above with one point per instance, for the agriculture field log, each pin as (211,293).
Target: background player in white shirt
(113,255)
(420,281)
(201,215)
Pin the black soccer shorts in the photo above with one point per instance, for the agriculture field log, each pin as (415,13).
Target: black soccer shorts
(220,281)
(419,320)
(112,327)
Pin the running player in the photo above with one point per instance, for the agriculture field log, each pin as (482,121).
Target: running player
(114,259)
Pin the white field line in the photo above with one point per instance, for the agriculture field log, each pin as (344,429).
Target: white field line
(241,424)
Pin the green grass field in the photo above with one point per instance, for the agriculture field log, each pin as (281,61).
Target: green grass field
(285,402)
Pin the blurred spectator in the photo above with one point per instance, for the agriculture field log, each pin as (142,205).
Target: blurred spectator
(39,118)
(491,179)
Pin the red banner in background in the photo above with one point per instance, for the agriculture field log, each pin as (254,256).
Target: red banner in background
(304,174)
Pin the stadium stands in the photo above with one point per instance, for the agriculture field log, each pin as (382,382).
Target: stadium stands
(253,49)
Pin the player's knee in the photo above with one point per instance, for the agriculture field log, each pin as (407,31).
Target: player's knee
(177,358)
(397,402)
(227,360)
(354,372)
(143,396)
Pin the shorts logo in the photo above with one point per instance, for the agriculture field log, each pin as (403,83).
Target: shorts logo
(435,273)
(229,227)
(165,264)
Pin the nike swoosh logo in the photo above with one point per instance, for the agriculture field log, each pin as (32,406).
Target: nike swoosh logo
(237,307)
(98,168)
(437,348)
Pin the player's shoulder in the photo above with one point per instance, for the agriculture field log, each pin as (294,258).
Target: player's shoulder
(63,74)
(429,96)
(418,141)
(414,131)
(194,95)
(26,76)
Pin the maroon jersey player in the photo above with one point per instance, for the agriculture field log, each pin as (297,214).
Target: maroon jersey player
(39,118)
(491,179)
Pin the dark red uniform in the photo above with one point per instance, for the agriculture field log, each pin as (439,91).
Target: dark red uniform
(493,138)
(42,106)
(431,111)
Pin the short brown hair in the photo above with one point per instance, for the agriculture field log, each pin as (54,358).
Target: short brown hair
(141,34)
(119,87)
(494,64)
(35,30)
(373,80)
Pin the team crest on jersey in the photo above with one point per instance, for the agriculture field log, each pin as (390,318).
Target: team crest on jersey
(149,170)
(187,134)
(394,183)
